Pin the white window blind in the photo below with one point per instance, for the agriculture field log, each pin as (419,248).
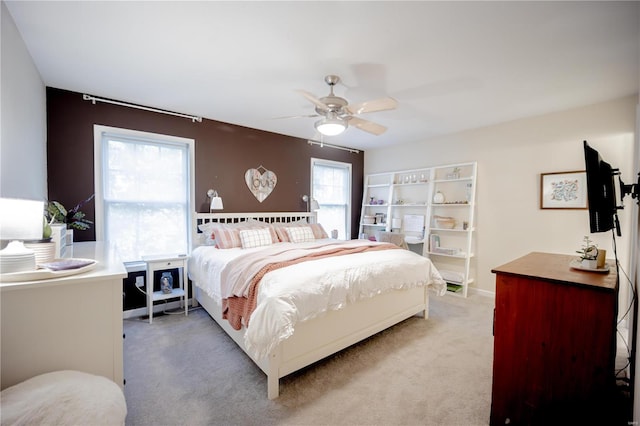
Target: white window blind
(331,187)
(145,193)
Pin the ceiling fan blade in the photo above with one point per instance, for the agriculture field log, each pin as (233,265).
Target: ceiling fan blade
(381,104)
(313,100)
(367,126)
(296,116)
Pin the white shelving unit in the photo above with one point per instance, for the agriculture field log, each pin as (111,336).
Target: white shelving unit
(403,201)
(455,184)
(393,195)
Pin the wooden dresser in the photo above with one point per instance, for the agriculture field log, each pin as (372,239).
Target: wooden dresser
(554,342)
(66,323)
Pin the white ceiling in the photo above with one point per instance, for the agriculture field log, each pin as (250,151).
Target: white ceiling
(451,65)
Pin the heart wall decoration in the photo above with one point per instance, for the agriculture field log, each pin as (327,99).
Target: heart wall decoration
(261,182)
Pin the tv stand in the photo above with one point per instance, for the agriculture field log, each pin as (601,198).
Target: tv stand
(633,189)
(554,343)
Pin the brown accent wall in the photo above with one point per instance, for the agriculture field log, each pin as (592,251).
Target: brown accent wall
(223,153)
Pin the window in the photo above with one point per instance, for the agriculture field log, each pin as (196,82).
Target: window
(144,192)
(331,187)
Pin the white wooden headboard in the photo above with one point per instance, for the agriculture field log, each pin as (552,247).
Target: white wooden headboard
(267,217)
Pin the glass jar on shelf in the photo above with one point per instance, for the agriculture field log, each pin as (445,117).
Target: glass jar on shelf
(166,282)
(469,188)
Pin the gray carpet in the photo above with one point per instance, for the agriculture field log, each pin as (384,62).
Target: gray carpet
(186,371)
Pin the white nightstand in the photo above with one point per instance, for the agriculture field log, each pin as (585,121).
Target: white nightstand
(160,263)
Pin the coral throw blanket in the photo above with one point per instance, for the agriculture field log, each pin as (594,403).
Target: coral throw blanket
(237,309)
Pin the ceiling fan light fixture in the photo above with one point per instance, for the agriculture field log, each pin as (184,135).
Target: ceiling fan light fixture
(331,126)
(338,114)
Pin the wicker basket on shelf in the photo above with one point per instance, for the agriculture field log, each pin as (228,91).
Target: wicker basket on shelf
(444,222)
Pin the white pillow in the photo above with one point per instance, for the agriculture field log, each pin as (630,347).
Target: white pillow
(300,234)
(207,232)
(255,237)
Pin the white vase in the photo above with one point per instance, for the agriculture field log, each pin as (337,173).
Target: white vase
(69,236)
(589,263)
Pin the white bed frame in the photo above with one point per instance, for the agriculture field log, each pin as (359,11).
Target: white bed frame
(327,334)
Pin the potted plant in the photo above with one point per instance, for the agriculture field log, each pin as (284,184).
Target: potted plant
(73,218)
(588,254)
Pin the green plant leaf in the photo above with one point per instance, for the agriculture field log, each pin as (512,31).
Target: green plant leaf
(57,211)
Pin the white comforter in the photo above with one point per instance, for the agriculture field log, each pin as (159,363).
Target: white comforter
(302,291)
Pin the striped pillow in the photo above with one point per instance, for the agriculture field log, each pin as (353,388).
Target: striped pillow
(318,231)
(300,234)
(226,237)
(255,237)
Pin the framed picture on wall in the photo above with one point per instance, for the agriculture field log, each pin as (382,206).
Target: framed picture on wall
(563,190)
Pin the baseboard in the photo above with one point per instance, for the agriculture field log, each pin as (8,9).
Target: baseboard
(481,292)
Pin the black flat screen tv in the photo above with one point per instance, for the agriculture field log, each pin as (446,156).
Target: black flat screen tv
(601,196)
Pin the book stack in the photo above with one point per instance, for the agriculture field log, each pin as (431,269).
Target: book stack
(59,237)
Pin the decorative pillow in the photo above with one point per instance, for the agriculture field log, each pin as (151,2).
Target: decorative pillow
(255,237)
(281,231)
(316,228)
(300,234)
(227,235)
(260,224)
(318,231)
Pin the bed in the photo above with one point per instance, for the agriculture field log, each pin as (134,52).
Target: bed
(302,311)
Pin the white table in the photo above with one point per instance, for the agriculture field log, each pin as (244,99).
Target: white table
(69,323)
(164,262)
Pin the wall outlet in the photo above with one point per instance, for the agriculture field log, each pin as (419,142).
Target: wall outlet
(139,281)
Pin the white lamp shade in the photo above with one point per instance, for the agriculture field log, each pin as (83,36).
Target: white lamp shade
(313,205)
(21,219)
(216,203)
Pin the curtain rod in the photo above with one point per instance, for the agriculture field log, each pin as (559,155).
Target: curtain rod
(93,100)
(322,144)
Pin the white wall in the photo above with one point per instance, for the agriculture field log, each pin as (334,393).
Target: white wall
(23,155)
(510,158)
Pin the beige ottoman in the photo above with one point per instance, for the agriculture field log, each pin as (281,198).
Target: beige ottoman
(63,398)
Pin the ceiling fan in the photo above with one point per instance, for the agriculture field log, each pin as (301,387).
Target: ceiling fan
(338,114)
